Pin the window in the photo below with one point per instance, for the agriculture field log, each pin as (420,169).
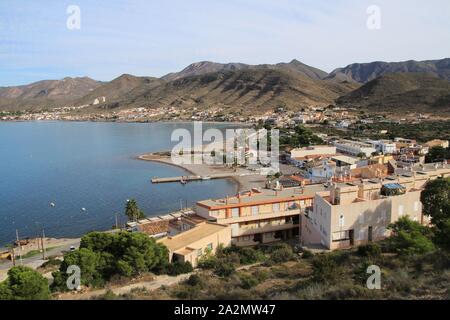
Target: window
(361,234)
(361,218)
(401,209)
(416,206)
(341,221)
(255,210)
(199,252)
(214,213)
(209,247)
(234,229)
(235,212)
(340,236)
(383,215)
(276,207)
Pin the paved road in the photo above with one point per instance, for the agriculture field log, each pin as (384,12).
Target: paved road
(36,261)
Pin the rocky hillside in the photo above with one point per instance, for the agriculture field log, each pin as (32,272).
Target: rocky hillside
(119,89)
(365,72)
(249,90)
(401,92)
(204,67)
(47,93)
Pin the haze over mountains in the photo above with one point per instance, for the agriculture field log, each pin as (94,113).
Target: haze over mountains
(418,85)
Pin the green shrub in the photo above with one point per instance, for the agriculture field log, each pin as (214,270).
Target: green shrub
(224,269)
(108,295)
(186,292)
(178,268)
(410,237)
(248,281)
(250,256)
(400,281)
(361,274)
(24,283)
(282,254)
(369,250)
(325,269)
(207,262)
(261,275)
(51,262)
(307,254)
(194,280)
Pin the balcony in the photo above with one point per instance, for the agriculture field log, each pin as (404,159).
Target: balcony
(267,228)
(261,216)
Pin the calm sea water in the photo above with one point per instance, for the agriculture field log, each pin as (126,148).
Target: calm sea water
(87,165)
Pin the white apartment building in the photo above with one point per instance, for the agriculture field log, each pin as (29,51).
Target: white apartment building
(354,214)
(312,151)
(354,148)
(350,214)
(383,146)
(260,216)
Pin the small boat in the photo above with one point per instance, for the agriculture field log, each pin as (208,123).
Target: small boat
(206,178)
(83,209)
(52,204)
(182,181)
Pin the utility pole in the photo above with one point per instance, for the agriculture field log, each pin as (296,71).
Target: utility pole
(20,247)
(43,246)
(13,256)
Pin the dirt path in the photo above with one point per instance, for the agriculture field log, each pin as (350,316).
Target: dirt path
(158,282)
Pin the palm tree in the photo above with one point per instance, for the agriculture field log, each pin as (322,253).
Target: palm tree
(132,211)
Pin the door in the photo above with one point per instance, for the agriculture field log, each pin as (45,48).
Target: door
(370,233)
(351,236)
(234,229)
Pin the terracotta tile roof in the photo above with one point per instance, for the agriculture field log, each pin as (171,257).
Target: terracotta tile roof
(154,227)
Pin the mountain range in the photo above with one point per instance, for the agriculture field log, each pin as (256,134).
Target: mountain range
(248,89)
(401,91)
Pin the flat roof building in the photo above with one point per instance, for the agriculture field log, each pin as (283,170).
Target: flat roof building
(360,211)
(313,150)
(261,216)
(354,148)
(191,245)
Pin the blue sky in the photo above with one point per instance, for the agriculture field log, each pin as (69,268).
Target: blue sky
(148,37)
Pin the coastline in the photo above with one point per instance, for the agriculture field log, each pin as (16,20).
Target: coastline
(243,182)
(233,123)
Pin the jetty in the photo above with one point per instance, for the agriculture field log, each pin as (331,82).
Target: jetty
(183,179)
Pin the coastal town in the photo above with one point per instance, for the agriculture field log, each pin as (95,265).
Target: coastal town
(224,159)
(331,194)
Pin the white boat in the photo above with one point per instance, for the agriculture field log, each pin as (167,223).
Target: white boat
(206,178)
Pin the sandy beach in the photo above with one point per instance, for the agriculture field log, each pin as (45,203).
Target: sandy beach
(245,179)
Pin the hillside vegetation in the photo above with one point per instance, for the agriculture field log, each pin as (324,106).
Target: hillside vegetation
(401,91)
